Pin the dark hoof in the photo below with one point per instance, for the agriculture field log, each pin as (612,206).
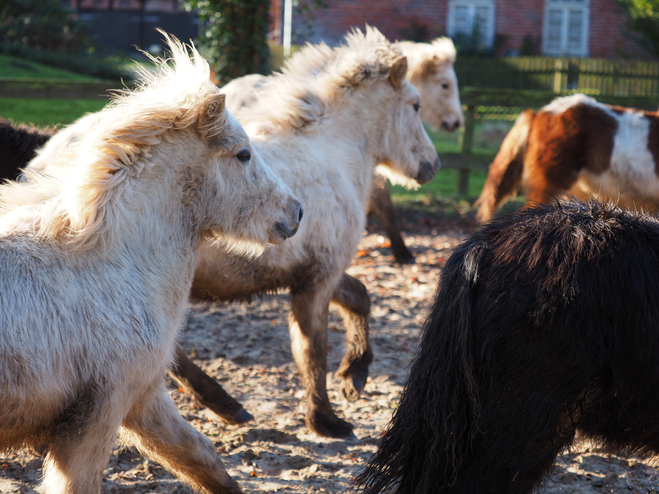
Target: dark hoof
(242,417)
(351,388)
(404,257)
(330,426)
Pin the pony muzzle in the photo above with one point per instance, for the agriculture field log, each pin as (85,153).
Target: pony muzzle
(427,171)
(288,227)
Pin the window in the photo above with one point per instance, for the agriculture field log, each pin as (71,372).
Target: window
(565,30)
(471,17)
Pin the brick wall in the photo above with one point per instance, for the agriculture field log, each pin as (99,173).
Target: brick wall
(514,20)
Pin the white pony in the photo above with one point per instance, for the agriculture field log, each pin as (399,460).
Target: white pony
(431,71)
(323,125)
(95,272)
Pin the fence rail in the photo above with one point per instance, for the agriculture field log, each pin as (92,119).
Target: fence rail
(506,104)
(587,75)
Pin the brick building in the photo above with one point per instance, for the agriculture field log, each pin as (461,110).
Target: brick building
(592,28)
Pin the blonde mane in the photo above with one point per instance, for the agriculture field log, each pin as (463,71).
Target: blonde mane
(74,206)
(428,57)
(315,78)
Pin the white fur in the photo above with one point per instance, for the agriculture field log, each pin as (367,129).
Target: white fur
(323,125)
(559,105)
(97,259)
(632,178)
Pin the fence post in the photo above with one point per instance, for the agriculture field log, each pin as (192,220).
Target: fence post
(558,75)
(467,142)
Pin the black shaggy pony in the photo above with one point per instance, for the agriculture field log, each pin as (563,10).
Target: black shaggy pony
(18,145)
(545,323)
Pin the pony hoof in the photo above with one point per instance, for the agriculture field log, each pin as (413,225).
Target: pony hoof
(242,417)
(330,426)
(351,388)
(404,257)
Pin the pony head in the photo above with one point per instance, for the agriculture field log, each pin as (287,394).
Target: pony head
(361,86)
(432,73)
(168,148)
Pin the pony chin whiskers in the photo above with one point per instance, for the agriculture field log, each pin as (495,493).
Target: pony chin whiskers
(238,247)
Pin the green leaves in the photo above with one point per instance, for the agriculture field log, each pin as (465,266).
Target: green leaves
(44,24)
(644,19)
(234,40)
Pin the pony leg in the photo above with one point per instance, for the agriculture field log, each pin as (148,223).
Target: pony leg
(355,307)
(81,448)
(160,433)
(206,391)
(382,207)
(308,328)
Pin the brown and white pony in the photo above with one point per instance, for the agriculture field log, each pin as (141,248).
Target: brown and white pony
(430,70)
(580,147)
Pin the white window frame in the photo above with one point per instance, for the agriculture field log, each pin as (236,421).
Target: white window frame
(488,35)
(565,6)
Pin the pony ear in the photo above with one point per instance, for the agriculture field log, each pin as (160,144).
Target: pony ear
(398,72)
(211,111)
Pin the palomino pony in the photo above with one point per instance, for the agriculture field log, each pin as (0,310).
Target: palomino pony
(430,70)
(580,147)
(545,325)
(96,267)
(323,125)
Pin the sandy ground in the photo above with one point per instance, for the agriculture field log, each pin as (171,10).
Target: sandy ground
(246,348)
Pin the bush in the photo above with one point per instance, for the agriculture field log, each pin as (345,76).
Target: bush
(235,36)
(42,24)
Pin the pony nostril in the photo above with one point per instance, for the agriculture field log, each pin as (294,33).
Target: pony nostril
(300,214)
(426,172)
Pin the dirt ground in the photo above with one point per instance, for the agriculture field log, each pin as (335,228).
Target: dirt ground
(246,348)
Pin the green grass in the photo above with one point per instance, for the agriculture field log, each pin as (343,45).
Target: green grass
(488,137)
(43,112)
(16,67)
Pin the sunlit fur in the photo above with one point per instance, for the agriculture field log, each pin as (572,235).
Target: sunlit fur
(323,125)
(577,146)
(96,262)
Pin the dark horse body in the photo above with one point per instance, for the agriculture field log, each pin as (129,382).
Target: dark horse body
(18,145)
(545,323)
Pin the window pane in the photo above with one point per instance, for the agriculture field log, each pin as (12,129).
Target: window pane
(575,29)
(554,34)
(480,20)
(461,19)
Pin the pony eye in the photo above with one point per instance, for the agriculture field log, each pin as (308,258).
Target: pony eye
(444,85)
(244,156)
(416,107)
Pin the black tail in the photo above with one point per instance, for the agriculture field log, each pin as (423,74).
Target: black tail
(439,410)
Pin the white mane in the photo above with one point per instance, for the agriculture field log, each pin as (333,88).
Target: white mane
(106,157)
(428,57)
(316,77)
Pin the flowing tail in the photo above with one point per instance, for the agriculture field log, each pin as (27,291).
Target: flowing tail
(505,173)
(429,434)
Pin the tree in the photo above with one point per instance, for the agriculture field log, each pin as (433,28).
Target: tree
(235,33)
(45,24)
(644,19)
